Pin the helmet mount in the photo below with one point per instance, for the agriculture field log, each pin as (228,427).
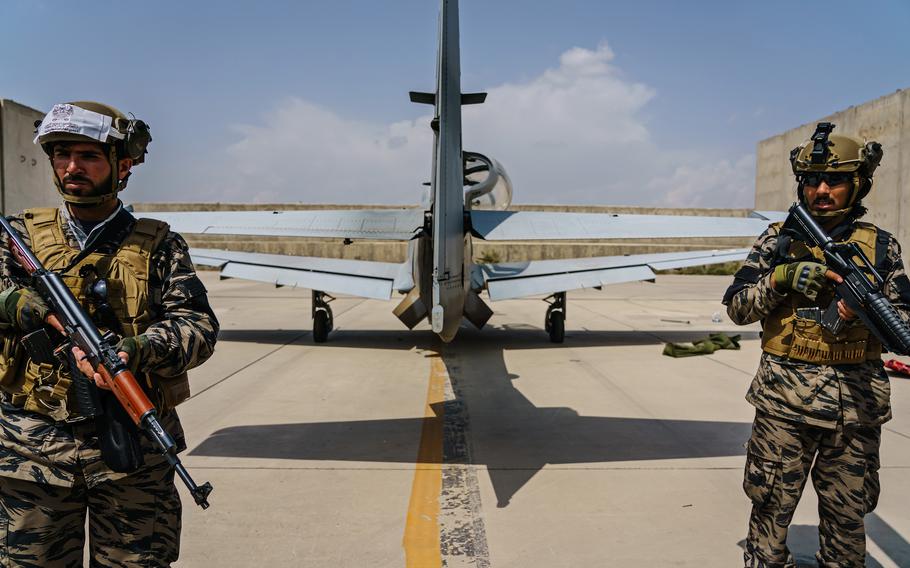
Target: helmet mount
(820,142)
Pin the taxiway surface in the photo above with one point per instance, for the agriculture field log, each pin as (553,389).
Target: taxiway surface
(386,448)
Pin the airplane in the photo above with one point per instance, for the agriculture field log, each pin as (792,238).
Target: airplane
(469,196)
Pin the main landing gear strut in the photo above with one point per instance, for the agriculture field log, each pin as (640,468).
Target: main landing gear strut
(555,321)
(322,316)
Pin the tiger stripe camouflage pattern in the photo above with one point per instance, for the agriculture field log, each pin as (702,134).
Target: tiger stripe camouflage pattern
(845,476)
(819,395)
(134,521)
(51,472)
(804,412)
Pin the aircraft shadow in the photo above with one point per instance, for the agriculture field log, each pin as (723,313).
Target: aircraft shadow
(490,423)
(507,337)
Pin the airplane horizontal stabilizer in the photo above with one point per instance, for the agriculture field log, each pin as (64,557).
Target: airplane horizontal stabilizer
(422,98)
(430,98)
(361,278)
(542,226)
(378,224)
(519,279)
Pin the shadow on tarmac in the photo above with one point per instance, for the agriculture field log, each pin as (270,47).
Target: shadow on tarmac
(803,542)
(506,337)
(490,422)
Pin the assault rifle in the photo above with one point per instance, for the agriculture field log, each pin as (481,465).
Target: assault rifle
(101,352)
(862,295)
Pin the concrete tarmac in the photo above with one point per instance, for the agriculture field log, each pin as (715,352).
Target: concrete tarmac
(384,447)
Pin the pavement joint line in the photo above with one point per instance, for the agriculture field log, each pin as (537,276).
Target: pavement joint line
(656,335)
(893,431)
(729,366)
(604,377)
(598,314)
(653,334)
(272,352)
(648,304)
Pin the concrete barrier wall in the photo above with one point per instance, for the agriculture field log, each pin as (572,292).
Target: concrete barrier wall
(25,173)
(887,120)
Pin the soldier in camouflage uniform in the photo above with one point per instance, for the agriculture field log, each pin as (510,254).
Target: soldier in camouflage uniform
(53,468)
(818,396)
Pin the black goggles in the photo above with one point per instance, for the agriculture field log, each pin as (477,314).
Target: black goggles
(830,178)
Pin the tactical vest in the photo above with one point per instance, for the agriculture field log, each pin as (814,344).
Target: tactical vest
(44,388)
(786,334)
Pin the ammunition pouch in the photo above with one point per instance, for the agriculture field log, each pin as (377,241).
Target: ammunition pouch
(786,334)
(169,391)
(12,357)
(45,390)
(814,344)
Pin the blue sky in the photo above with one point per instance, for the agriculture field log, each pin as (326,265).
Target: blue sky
(638,103)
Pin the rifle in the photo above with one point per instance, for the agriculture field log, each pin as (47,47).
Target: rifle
(862,295)
(100,350)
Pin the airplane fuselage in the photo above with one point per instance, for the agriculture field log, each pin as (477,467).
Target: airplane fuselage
(447,212)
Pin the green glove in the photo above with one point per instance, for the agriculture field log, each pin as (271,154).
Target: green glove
(138,348)
(807,278)
(23,308)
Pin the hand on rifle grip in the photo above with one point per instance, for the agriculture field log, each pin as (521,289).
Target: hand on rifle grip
(86,366)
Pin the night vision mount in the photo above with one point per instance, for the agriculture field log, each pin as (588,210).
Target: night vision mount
(820,142)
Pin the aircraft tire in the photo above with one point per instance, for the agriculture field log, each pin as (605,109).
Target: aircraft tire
(557,327)
(320,326)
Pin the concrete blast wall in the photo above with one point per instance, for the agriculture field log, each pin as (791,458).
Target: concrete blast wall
(25,173)
(886,120)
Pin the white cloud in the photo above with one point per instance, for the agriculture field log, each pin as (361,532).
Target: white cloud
(303,152)
(708,184)
(573,134)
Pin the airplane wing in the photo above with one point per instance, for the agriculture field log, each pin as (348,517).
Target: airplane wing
(362,278)
(544,226)
(518,279)
(380,224)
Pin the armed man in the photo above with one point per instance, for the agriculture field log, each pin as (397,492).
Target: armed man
(821,392)
(62,457)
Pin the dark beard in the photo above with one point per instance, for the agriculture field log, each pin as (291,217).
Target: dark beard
(98,189)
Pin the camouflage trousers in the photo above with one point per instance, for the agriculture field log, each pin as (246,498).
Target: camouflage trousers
(133,521)
(52,477)
(844,473)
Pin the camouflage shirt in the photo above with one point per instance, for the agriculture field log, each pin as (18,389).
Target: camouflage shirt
(34,447)
(819,395)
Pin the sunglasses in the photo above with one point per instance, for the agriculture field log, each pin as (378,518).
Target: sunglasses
(830,178)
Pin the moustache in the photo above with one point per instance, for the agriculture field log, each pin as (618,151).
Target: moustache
(76,177)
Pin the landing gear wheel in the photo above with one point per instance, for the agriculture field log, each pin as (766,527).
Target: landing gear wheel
(555,320)
(557,327)
(322,316)
(320,327)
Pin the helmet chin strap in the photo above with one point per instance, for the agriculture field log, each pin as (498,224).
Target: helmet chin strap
(93,200)
(829,214)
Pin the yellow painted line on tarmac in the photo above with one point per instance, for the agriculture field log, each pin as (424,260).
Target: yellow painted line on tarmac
(421,532)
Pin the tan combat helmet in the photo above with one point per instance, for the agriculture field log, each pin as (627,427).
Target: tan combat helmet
(835,159)
(88,121)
